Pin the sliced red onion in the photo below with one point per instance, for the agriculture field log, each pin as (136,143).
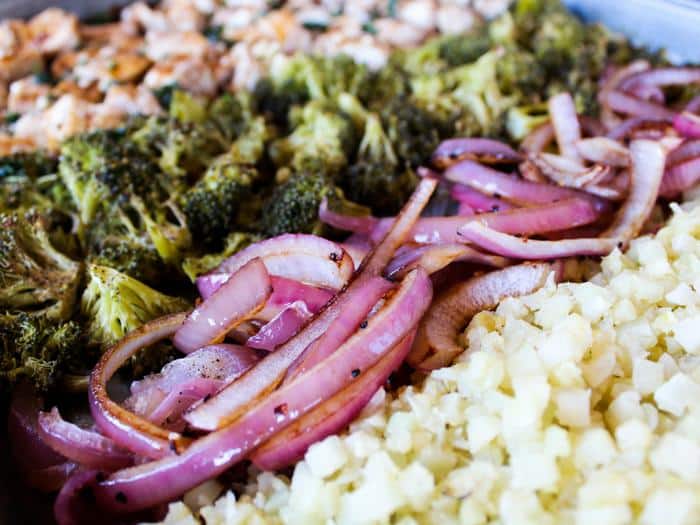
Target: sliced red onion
(565,172)
(208,283)
(648,92)
(87,448)
(76,505)
(556,216)
(332,416)
(663,76)
(611,83)
(232,401)
(630,105)
(464,210)
(636,125)
(502,185)
(169,411)
(352,307)
(237,300)
(477,200)
(614,187)
(603,150)
(530,172)
(687,150)
(352,317)
(488,151)
(29,451)
(286,291)
(434,257)
(679,178)
(358,246)
(305,258)
(648,159)
(351,223)
(162,397)
(687,124)
(282,327)
(39,465)
(437,342)
(152,483)
(606,192)
(591,127)
(562,112)
(541,137)
(127,429)
(73,505)
(521,248)
(401,227)
(694,105)
(427,230)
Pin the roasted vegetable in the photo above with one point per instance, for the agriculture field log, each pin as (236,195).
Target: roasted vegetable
(376,178)
(101,167)
(213,204)
(321,140)
(114,304)
(413,131)
(182,150)
(522,120)
(34,276)
(293,205)
(38,350)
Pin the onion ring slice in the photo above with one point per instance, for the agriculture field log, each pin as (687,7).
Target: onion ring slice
(436,343)
(520,248)
(128,430)
(648,160)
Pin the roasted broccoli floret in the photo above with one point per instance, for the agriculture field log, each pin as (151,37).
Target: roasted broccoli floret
(34,276)
(230,114)
(469,96)
(321,141)
(37,350)
(457,50)
(29,181)
(295,80)
(376,178)
(30,165)
(182,150)
(519,73)
(186,107)
(413,131)
(422,60)
(341,74)
(249,147)
(522,120)
(291,81)
(293,205)
(114,304)
(119,239)
(166,227)
(133,258)
(571,54)
(559,36)
(101,167)
(234,242)
(212,206)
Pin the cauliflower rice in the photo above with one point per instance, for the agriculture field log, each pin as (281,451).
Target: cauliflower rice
(577,404)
